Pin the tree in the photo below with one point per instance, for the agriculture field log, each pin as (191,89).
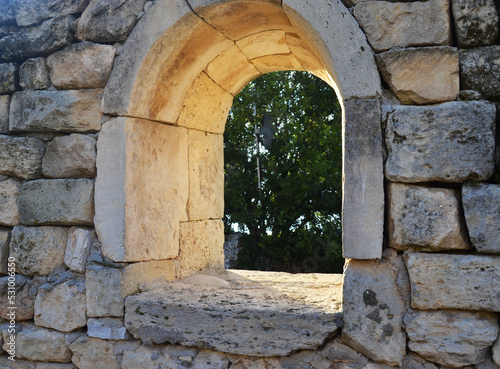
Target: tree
(293,224)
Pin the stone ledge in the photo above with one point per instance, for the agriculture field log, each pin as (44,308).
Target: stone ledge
(240,312)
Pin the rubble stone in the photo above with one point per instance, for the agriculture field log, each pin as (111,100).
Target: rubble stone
(480,71)
(476,22)
(28,13)
(4,113)
(34,74)
(496,351)
(107,329)
(78,248)
(4,250)
(103,292)
(9,78)
(24,303)
(87,352)
(7,16)
(21,156)
(9,213)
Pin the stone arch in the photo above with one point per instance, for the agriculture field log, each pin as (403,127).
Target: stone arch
(159,188)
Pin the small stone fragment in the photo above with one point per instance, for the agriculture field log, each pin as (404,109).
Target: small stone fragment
(4,113)
(107,329)
(476,22)
(28,12)
(9,213)
(24,303)
(87,352)
(9,78)
(78,248)
(480,71)
(21,156)
(34,74)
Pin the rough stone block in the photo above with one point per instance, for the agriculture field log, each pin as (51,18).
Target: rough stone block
(166,357)
(264,43)
(9,78)
(103,292)
(451,338)
(425,75)
(480,70)
(57,202)
(21,156)
(476,22)
(55,366)
(137,275)
(7,16)
(18,364)
(413,361)
(56,111)
(201,246)
(24,303)
(107,329)
(108,21)
(425,218)
(4,250)
(82,65)
(28,13)
(40,40)
(34,74)
(389,25)
(4,113)
(38,250)
(450,142)
(496,352)
(40,344)
(9,213)
(89,351)
(363,187)
(62,306)
(78,248)
(373,311)
(482,206)
(447,281)
(72,156)
(278,62)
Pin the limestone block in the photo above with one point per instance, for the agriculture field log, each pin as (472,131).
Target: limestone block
(78,248)
(103,292)
(363,186)
(482,205)
(40,344)
(232,70)
(421,75)
(468,282)
(61,307)
(24,303)
(39,40)
(277,62)
(57,201)
(107,329)
(4,250)
(28,13)
(201,246)
(211,359)
(21,156)
(450,142)
(18,364)
(496,352)
(480,70)
(264,43)
(139,203)
(389,25)
(38,250)
(82,65)
(476,22)
(34,74)
(56,111)
(206,175)
(9,78)
(147,358)
(425,218)
(108,21)
(137,275)
(206,106)
(4,113)
(89,352)
(9,190)
(72,156)
(373,311)
(451,338)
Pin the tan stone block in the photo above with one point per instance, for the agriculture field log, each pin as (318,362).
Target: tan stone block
(277,62)
(264,43)
(201,246)
(307,57)
(9,212)
(206,175)
(422,75)
(134,275)
(232,70)
(206,106)
(89,352)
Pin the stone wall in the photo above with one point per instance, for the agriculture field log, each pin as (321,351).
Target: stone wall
(431,301)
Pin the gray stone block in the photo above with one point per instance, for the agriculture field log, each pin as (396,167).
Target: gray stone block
(34,74)
(4,113)
(31,12)
(4,249)
(107,329)
(476,22)
(23,302)
(7,16)
(9,78)
(78,248)
(480,70)
(21,156)
(104,292)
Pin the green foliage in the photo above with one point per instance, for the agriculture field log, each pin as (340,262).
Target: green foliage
(297,226)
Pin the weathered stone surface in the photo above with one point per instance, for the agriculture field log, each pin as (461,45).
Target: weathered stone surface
(496,352)
(82,65)
(251,363)
(9,190)
(7,16)
(28,13)
(451,338)
(373,311)
(450,142)
(480,70)
(476,22)
(277,62)
(425,218)
(389,25)
(38,250)
(482,206)
(107,329)
(413,361)
(72,156)
(4,113)
(56,111)
(78,248)
(21,156)
(9,78)
(264,43)
(223,312)
(57,201)
(468,282)
(55,366)
(488,363)
(89,352)
(4,250)
(167,357)
(211,359)
(138,275)
(62,306)
(424,75)
(5,363)
(103,292)
(34,74)
(107,21)
(23,302)
(40,40)
(363,188)
(40,344)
